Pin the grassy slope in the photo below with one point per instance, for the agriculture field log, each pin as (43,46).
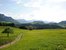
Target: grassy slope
(40,40)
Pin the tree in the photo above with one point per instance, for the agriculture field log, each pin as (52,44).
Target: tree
(23,27)
(8,31)
(30,27)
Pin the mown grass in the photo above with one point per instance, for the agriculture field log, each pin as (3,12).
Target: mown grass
(47,39)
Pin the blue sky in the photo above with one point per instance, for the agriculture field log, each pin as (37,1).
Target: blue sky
(46,10)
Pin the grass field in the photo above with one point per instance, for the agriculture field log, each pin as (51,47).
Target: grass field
(47,39)
(3,37)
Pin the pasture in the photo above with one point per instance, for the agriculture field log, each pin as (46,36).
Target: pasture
(46,39)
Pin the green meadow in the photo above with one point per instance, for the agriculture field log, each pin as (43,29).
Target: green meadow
(45,39)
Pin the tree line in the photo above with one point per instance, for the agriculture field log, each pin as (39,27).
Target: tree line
(32,26)
(7,24)
(40,26)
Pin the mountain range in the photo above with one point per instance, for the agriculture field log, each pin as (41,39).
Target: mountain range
(4,18)
(24,21)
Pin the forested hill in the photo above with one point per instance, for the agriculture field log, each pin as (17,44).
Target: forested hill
(4,18)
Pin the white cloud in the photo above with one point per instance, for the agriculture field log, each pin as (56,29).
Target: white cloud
(33,3)
(26,16)
(49,14)
(50,10)
(57,1)
(17,1)
(47,10)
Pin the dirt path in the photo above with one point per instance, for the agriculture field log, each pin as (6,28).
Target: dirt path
(13,42)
